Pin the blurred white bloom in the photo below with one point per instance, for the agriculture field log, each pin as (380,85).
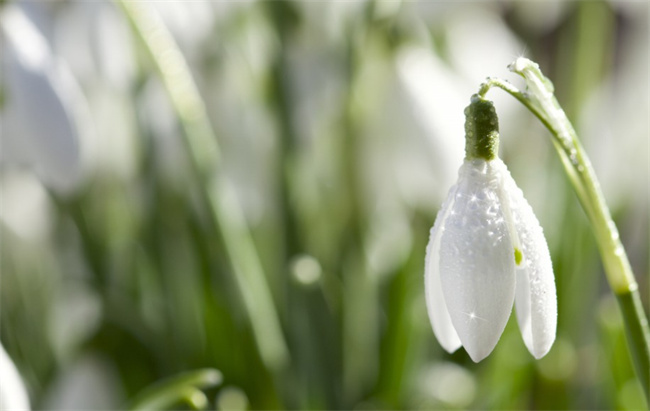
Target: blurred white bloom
(74,319)
(95,40)
(405,109)
(541,17)
(479,42)
(190,23)
(613,120)
(25,208)
(487,250)
(449,383)
(232,399)
(435,104)
(331,20)
(242,120)
(13,395)
(91,382)
(43,116)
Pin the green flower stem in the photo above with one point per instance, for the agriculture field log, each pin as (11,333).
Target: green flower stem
(540,100)
(185,387)
(204,153)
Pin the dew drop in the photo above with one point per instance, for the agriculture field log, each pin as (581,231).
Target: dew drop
(573,157)
(613,230)
(491,211)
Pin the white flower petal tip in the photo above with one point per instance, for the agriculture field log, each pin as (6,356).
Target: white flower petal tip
(441,323)
(486,252)
(536,297)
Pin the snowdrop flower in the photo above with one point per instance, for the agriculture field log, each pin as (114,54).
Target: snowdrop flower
(45,115)
(13,395)
(487,251)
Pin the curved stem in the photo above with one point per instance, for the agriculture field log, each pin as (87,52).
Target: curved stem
(540,100)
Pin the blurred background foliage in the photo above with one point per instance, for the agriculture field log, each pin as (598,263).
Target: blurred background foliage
(339,127)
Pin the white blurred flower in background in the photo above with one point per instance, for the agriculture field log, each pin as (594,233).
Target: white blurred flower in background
(235,102)
(448,383)
(44,117)
(26,207)
(13,396)
(90,382)
(96,41)
(190,23)
(613,121)
(433,102)
(410,151)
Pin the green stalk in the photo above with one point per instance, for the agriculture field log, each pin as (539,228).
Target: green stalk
(185,387)
(225,211)
(540,100)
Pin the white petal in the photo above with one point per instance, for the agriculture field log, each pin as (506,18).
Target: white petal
(13,395)
(44,105)
(477,260)
(535,299)
(443,329)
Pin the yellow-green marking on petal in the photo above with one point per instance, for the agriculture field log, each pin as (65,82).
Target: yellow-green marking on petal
(518,256)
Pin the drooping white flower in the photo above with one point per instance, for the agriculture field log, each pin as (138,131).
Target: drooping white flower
(45,115)
(13,395)
(487,250)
